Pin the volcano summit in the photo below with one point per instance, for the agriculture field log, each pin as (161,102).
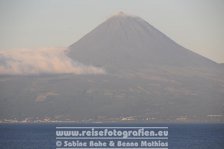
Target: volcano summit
(129,42)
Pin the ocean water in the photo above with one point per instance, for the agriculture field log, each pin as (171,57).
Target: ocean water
(43,136)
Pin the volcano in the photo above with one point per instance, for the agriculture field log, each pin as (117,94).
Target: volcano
(129,42)
(149,77)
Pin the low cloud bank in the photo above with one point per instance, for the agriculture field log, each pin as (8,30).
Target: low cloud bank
(42,61)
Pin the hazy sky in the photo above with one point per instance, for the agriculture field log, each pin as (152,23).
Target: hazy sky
(195,24)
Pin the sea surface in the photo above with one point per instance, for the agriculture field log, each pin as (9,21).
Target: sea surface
(43,136)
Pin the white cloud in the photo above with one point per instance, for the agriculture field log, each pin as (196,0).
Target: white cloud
(42,61)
